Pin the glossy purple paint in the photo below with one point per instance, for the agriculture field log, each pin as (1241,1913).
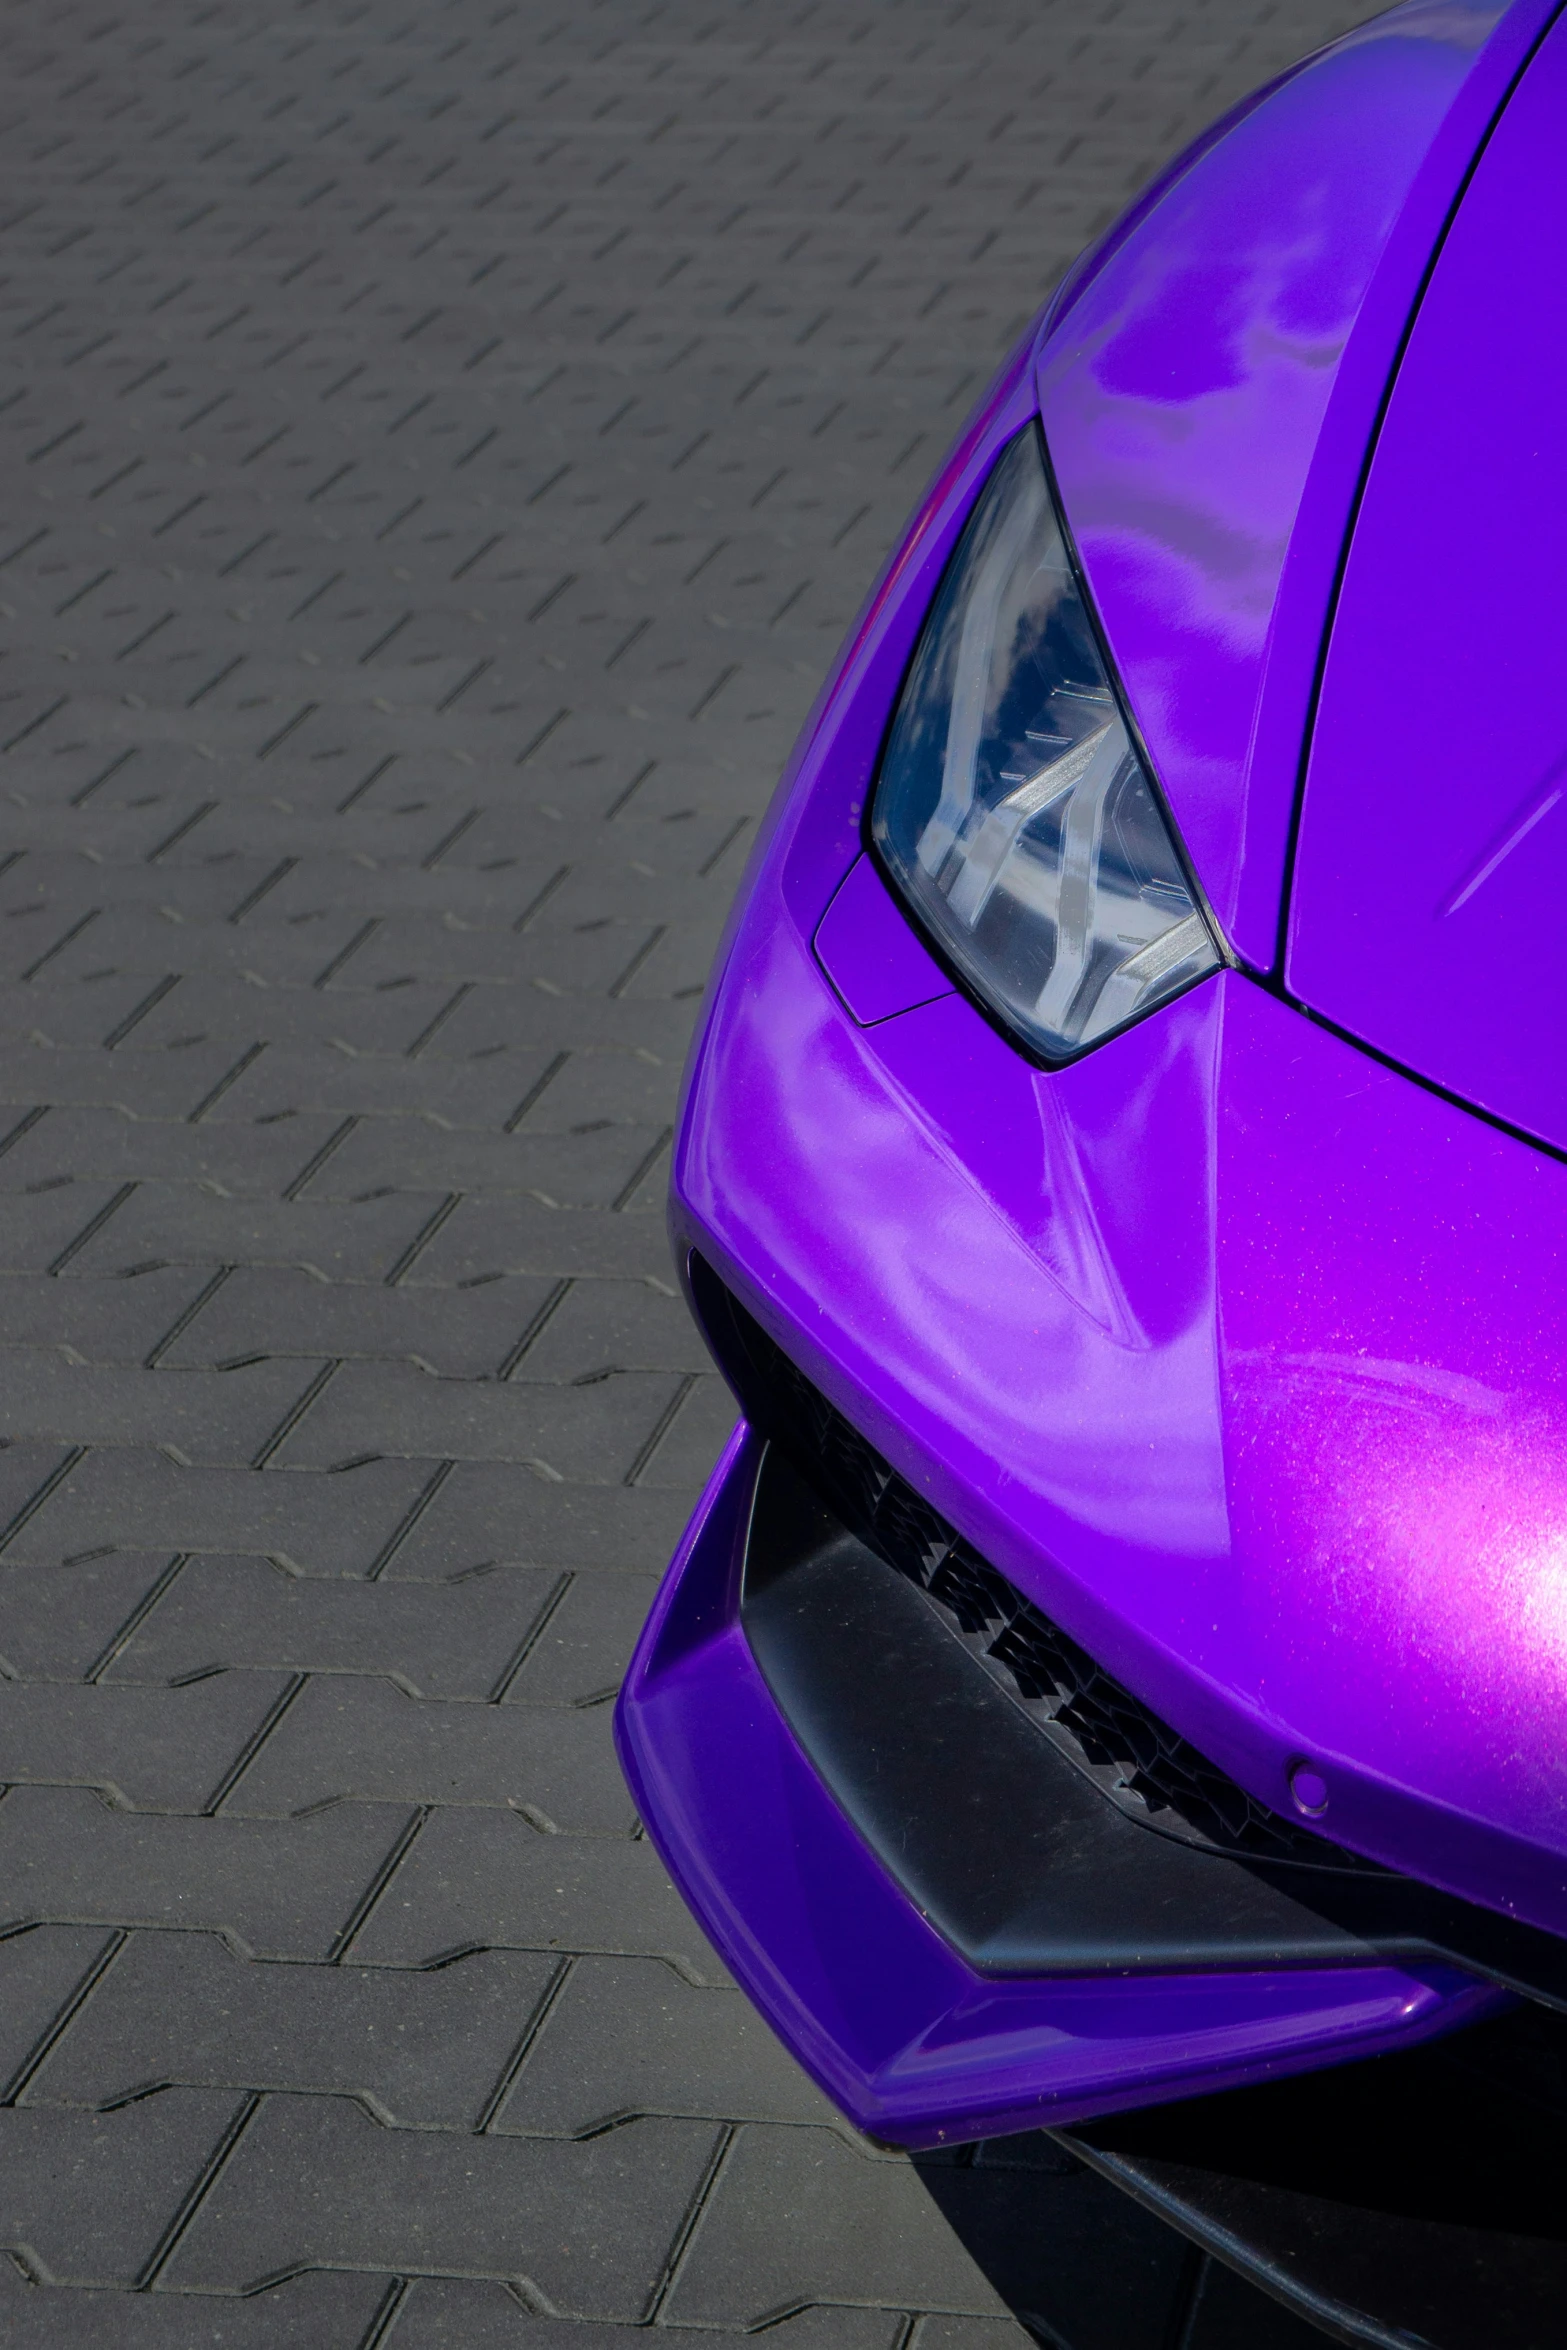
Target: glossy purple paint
(1427,912)
(910,2042)
(1209,395)
(871,952)
(1238,1351)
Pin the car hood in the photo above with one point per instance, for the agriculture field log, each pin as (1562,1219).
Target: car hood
(1209,381)
(1427,916)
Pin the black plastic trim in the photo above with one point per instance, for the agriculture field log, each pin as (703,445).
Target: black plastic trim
(1410,2199)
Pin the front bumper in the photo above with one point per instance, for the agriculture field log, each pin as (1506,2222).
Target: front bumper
(915,2042)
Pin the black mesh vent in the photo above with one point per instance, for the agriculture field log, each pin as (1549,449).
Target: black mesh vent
(1137,1759)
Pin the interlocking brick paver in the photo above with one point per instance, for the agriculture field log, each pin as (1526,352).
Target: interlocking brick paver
(592,1435)
(598,1326)
(40,1969)
(455,1639)
(275,1310)
(335,1524)
(207,1420)
(86,2198)
(73,1142)
(440,453)
(936,2331)
(799,2215)
(40,1233)
(101,1321)
(631,2036)
(693,1438)
(443,2313)
(282,1888)
(322,2311)
(366,1738)
(585,1645)
(315,2182)
(66,1619)
(489,1510)
(180,1223)
(481,1878)
(151,1749)
(510,1235)
(424,2050)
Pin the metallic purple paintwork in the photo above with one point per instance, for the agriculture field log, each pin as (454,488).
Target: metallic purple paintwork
(1238,1351)
(1207,400)
(1427,915)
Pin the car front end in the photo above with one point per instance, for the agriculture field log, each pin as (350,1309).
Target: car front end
(1118,1655)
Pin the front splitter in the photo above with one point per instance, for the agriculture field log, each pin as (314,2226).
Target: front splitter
(915,2046)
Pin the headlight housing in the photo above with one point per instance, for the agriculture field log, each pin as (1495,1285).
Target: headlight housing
(1013,811)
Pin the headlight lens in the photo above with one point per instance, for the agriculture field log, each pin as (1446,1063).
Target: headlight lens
(1013,811)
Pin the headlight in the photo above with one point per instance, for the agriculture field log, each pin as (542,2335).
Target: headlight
(1012,809)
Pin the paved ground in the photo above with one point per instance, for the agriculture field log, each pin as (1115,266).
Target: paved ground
(439,449)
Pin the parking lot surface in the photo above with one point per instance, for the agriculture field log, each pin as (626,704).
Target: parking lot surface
(440,449)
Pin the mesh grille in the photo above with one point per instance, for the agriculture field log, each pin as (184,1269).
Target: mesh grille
(1137,1759)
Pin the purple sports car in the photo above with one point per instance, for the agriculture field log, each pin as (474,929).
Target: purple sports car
(1122,1653)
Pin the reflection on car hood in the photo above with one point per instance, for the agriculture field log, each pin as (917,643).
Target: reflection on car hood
(1427,917)
(1208,385)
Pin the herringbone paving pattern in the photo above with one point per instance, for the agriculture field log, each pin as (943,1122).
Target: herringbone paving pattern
(439,450)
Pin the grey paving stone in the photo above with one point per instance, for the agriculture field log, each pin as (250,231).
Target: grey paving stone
(583,1649)
(454,1639)
(179,1223)
(315,2183)
(619,1087)
(61,1620)
(572,1170)
(317,2312)
(74,1142)
(170,1087)
(628,2036)
(684,1456)
(486,1879)
(502,1235)
(211,1421)
(799,2215)
(346,1735)
(280,1888)
(590,1435)
(340,1524)
(40,1970)
(152,1749)
(481,1094)
(423,2050)
(38,1232)
(600,1326)
(85,2198)
(443,2313)
(102,1321)
(275,1310)
(488,1510)
(971,2333)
